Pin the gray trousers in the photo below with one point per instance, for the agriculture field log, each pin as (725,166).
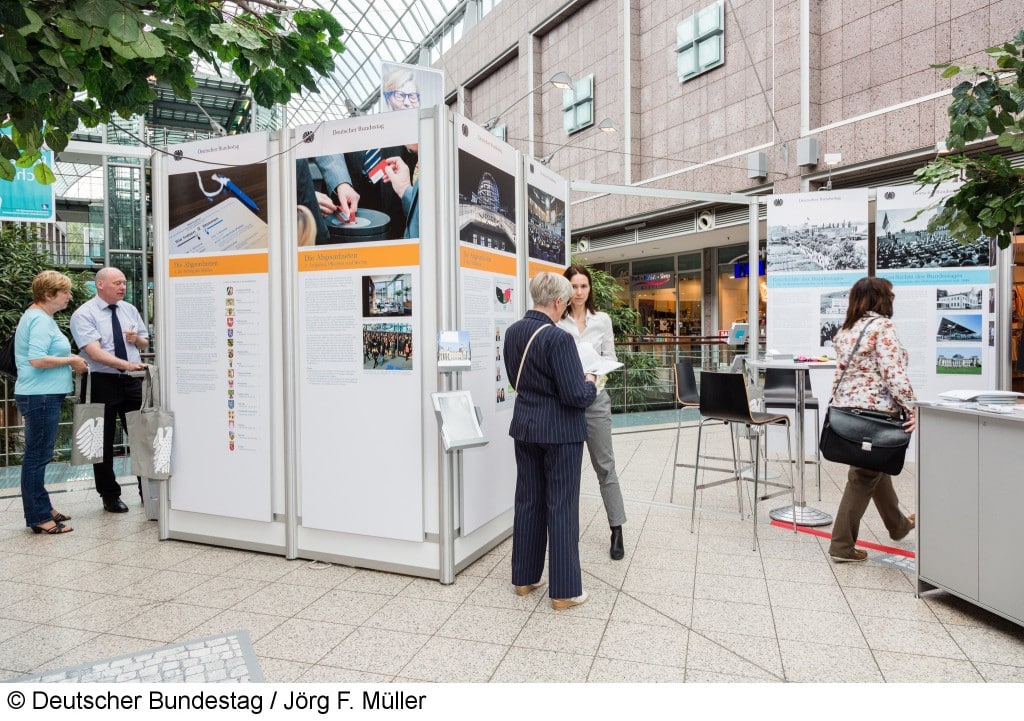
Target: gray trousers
(862,487)
(602,457)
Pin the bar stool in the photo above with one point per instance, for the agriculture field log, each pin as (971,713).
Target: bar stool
(780,392)
(687,396)
(724,398)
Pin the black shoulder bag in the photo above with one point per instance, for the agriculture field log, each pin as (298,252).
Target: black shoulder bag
(867,439)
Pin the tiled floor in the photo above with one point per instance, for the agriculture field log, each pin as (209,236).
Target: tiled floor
(695,607)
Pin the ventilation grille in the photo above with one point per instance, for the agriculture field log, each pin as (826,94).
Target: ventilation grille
(684,225)
(723,215)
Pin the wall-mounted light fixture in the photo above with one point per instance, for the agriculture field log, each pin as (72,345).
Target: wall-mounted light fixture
(757,165)
(605,126)
(562,81)
(807,151)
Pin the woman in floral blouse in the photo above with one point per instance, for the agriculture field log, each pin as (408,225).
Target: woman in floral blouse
(876,379)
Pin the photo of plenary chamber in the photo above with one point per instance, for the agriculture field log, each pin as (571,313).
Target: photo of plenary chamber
(546,220)
(387,295)
(903,241)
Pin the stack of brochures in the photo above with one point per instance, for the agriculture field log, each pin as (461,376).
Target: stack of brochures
(987,397)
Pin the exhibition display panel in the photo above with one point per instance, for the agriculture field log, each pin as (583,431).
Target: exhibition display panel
(302,280)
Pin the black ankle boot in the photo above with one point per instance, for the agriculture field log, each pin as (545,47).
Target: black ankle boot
(617,551)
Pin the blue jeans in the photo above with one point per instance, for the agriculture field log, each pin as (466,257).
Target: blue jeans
(42,416)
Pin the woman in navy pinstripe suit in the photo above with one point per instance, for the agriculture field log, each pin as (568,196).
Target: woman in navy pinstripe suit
(549,426)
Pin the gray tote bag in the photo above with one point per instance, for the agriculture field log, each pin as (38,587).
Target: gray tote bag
(150,433)
(86,426)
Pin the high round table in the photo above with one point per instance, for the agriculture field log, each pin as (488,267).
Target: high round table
(804,514)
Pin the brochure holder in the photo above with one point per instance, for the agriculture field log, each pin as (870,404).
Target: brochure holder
(459,420)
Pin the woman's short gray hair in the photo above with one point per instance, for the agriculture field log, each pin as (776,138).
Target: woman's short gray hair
(546,287)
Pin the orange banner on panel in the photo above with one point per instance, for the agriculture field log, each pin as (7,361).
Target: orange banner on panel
(478,259)
(352,257)
(196,265)
(534,267)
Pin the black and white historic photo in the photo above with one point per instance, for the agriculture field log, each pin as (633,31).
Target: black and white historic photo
(957,299)
(903,241)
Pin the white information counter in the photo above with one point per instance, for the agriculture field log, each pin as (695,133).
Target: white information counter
(969,497)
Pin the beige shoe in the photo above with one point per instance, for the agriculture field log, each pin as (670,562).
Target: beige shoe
(523,590)
(560,604)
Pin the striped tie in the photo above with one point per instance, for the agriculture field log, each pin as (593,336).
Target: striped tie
(373,165)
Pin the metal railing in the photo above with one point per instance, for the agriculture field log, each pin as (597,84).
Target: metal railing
(645,383)
(12,442)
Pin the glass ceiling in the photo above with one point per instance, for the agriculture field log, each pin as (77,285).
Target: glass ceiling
(376,31)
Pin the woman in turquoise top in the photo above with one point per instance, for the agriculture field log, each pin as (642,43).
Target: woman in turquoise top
(45,365)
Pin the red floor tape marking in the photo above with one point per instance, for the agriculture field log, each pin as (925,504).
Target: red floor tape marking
(864,544)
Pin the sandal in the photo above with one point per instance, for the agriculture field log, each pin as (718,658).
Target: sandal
(52,530)
(59,517)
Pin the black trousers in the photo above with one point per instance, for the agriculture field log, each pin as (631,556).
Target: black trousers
(119,393)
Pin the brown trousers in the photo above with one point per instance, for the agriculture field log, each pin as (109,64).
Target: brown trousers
(862,486)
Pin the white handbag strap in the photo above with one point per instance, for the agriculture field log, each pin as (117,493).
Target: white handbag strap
(87,378)
(150,388)
(525,351)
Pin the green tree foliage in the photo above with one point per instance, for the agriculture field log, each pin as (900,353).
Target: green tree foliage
(21,259)
(68,61)
(631,389)
(991,101)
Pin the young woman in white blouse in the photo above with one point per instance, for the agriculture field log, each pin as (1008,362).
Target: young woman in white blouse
(588,325)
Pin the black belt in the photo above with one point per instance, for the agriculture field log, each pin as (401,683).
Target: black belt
(119,375)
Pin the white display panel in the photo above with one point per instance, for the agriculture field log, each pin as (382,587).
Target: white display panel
(217,340)
(817,249)
(359,389)
(489,302)
(546,219)
(945,307)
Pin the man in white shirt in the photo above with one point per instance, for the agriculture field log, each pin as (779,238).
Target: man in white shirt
(111,336)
